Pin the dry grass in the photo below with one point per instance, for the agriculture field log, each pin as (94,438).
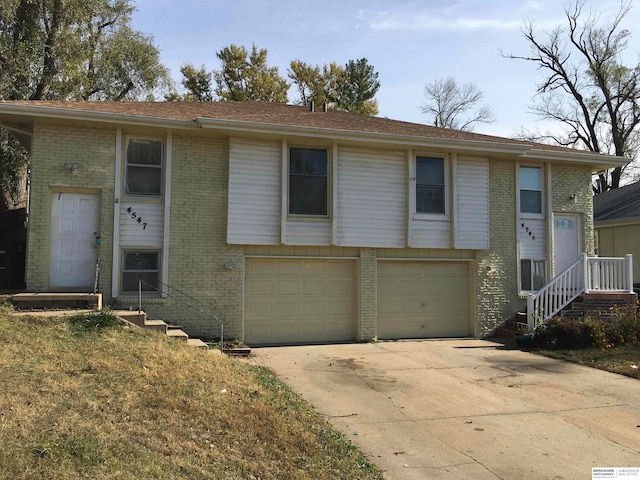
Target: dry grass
(622,359)
(125,404)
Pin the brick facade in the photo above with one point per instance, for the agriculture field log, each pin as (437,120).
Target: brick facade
(198,231)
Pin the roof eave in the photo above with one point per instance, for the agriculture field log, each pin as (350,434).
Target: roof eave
(597,161)
(369,137)
(39,111)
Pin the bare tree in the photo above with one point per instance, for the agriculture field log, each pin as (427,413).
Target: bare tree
(455,106)
(586,87)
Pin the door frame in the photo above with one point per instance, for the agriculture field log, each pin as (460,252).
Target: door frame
(578,222)
(57,190)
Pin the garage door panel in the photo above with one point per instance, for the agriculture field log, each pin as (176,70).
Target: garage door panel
(287,267)
(423,299)
(314,308)
(313,287)
(311,301)
(288,287)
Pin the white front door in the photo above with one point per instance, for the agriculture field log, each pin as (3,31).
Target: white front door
(566,241)
(74,227)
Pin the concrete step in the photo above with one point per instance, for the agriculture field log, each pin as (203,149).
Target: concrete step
(505,332)
(156,326)
(132,316)
(178,334)
(56,301)
(197,343)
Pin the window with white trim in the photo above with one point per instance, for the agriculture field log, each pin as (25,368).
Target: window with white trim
(308,181)
(140,267)
(532,274)
(430,185)
(531,190)
(143,167)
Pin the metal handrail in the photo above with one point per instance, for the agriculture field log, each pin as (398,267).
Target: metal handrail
(201,308)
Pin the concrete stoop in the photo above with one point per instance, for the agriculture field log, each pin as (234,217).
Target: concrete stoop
(171,331)
(56,301)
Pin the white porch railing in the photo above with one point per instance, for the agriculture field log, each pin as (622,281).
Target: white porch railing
(587,274)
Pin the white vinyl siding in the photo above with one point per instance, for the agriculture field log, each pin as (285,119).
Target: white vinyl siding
(534,245)
(431,234)
(372,191)
(254,192)
(471,177)
(141,224)
(312,233)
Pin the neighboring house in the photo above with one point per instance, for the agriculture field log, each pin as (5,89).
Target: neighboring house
(297,225)
(617,223)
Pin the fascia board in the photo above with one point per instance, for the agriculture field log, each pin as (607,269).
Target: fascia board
(100,117)
(617,222)
(369,137)
(598,161)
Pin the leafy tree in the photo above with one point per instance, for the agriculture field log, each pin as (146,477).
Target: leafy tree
(70,50)
(316,84)
(455,106)
(247,77)
(351,88)
(587,88)
(357,87)
(196,82)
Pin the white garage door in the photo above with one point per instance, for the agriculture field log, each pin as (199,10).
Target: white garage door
(423,299)
(299,301)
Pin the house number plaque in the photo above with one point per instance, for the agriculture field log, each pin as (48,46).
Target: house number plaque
(524,227)
(138,219)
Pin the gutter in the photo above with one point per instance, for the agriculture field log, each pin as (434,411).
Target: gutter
(85,115)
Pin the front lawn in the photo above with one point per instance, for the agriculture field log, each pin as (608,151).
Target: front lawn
(623,359)
(85,398)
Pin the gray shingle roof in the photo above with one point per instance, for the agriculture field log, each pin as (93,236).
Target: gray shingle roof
(616,204)
(276,114)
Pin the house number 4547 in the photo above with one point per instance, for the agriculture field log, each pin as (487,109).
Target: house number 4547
(135,216)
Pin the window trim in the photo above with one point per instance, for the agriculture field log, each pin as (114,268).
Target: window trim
(162,166)
(123,256)
(522,214)
(329,190)
(447,187)
(531,260)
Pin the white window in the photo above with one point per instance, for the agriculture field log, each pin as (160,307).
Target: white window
(308,181)
(532,274)
(140,267)
(144,167)
(531,190)
(430,185)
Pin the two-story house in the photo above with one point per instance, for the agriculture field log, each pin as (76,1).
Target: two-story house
(295,225)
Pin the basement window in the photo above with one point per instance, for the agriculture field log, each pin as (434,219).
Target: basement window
(532,275)
(140,265)
(144,167)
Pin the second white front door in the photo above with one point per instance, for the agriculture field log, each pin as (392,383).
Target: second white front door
(74,227)
(566,241)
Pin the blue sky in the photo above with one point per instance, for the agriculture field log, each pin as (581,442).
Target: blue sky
(409,42)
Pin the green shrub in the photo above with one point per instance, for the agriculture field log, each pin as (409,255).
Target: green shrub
(563,333)
(623,326)
(94,321)
(597,333)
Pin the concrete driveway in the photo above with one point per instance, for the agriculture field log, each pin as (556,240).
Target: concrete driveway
(467,409)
